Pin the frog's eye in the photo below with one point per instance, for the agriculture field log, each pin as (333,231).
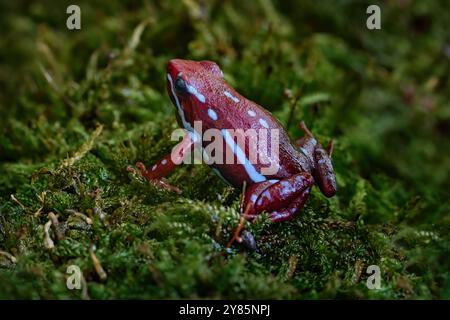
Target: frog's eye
(180,86)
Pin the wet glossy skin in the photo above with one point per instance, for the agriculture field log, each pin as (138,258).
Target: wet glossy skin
(199,92)
(231,110)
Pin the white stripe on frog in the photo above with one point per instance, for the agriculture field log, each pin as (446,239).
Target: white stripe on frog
(264,123)
(249,168)
(212,114)
(197,94)
(194,135)
(229,95)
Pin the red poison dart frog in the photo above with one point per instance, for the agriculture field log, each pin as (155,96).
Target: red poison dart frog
(200,93)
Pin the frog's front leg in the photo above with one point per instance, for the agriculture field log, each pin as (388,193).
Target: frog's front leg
(282,199)
(157,173)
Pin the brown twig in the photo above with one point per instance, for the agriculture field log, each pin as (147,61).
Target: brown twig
(293,106)
(48,242)
(25,208)
(293,260)
(97,265)
(242,220)
(56,226)
(83,150)
(359,265)
(9,256)
(41,198)
(79,214)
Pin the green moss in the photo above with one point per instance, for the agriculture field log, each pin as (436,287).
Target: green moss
(78,107)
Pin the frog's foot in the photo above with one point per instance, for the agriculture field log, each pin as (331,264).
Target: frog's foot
(320,159)
(166,165)
(305,129)
(158,182)
(330,148)
(323,170)
(282,199)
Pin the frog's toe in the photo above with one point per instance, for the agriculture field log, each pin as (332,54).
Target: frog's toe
(141,167)
(131,169)
(165,185)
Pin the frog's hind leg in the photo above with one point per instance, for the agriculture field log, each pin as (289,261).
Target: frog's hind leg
(322,167)
(281,195)
(282,199)
(295,207)
(248,197)
(157,173)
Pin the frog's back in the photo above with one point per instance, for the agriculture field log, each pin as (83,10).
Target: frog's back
(265,152)
(255,146)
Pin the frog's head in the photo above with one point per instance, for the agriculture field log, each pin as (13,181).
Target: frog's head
(189,83)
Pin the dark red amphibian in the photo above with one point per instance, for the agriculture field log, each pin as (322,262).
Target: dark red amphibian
(200,93)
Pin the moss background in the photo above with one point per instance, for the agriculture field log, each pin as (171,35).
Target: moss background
(77,107)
